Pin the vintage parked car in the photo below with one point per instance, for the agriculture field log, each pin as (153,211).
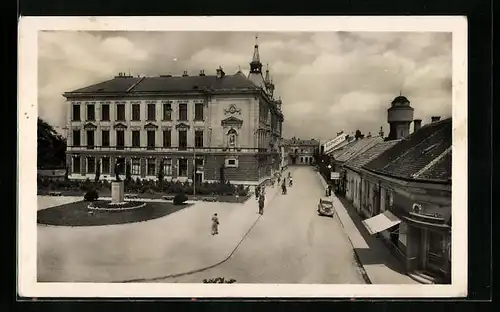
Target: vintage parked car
(325,207)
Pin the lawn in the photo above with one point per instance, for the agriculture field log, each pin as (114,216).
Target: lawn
(77,214)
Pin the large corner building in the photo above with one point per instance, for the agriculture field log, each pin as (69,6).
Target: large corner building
(202,127)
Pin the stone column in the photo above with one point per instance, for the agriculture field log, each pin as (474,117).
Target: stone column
(117,192)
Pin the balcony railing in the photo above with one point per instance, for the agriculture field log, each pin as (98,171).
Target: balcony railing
(172,149)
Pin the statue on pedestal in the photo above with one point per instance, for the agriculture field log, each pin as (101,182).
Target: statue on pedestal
(117,170)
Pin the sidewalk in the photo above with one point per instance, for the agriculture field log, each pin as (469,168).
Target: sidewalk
(379,264)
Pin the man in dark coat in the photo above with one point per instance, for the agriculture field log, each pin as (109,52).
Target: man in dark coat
(262,199)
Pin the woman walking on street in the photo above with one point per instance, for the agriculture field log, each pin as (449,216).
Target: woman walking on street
(215,224)
(261,204)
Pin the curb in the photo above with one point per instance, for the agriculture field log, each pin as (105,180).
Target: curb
(139,280)
(359,264)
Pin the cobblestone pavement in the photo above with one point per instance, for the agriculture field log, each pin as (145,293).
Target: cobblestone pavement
(290,243)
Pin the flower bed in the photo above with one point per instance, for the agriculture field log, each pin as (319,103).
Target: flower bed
(109,206)
(146,189)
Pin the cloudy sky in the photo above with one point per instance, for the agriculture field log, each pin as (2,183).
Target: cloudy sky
(329,81)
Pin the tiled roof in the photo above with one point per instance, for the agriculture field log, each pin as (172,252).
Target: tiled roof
(441,170)
(116,85)
(169,84)
(300,142)
(414,153)
(359,146)
(341,148)
(361,159)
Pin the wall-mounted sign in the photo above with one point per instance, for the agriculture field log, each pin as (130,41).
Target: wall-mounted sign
(334,175)
(328,146)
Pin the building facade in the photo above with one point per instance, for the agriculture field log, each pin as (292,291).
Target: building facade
(301,152)
(201,127)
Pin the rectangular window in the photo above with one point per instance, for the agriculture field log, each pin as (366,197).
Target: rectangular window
(76,164)
(167,166)
(105,165)
(120,112)
(90,139)
(105,112)
(136,166)
(198,162)
(183,165)
(167,112)
(151,112)
(198,111)
(76,138)
(198,139)
(91,112)
(151,139)
(120,139)
(183,139)
(76,112)
(105,138)
(90,164)
(167,138)
(136,112)
(136,138)
(183,112)
(151,166)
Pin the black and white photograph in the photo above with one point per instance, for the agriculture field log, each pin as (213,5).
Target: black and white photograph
(272,156)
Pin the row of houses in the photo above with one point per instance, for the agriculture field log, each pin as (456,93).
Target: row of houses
(401,187)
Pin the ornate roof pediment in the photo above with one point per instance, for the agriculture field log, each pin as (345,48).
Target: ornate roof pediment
(120,126)
(232,109)
(89,126)
(150,125)
(232,121)
(182,126)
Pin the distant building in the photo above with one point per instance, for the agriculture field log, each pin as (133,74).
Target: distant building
(301,152)
(200,127)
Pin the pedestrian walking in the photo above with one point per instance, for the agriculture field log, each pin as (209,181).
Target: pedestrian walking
(215,224)
(261,204)
(257,192)
(283,187)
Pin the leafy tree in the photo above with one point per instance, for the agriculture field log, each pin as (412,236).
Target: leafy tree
(51,146)
(161,173)
(128,172)
(98,171)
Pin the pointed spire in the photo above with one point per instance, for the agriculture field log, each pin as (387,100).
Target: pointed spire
(256,57)
(267,79)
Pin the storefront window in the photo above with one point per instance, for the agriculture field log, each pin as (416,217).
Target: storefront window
(402,233)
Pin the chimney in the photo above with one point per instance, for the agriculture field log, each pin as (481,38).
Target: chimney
(381,133)
(202,72)
(220,72)
(185,74)
(435,118)
(417,123)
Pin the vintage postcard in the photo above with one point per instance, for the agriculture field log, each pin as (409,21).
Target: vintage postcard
(242,157)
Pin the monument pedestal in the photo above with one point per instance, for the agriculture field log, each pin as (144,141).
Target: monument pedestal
(117,192)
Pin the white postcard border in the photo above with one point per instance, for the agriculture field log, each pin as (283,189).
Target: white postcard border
(27,188)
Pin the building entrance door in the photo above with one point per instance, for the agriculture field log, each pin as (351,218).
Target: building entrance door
(198,178)
(432,255)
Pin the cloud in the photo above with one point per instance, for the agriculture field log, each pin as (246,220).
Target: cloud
(328,81)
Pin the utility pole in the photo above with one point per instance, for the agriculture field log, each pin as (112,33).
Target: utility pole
(194,169)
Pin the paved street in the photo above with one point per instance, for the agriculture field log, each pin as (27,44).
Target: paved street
(290,243)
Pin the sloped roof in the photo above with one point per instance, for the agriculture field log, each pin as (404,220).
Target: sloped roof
(361,159)
(169,84)
(300,142)
(441,170)
(414,153)
(341,148)
(359,146)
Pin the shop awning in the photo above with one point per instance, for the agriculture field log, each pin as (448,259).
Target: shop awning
(381,222)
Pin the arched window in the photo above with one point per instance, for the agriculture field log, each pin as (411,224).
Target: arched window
(231,138)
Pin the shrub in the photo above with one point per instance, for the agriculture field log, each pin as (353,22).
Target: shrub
(91,195)
(180,199)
